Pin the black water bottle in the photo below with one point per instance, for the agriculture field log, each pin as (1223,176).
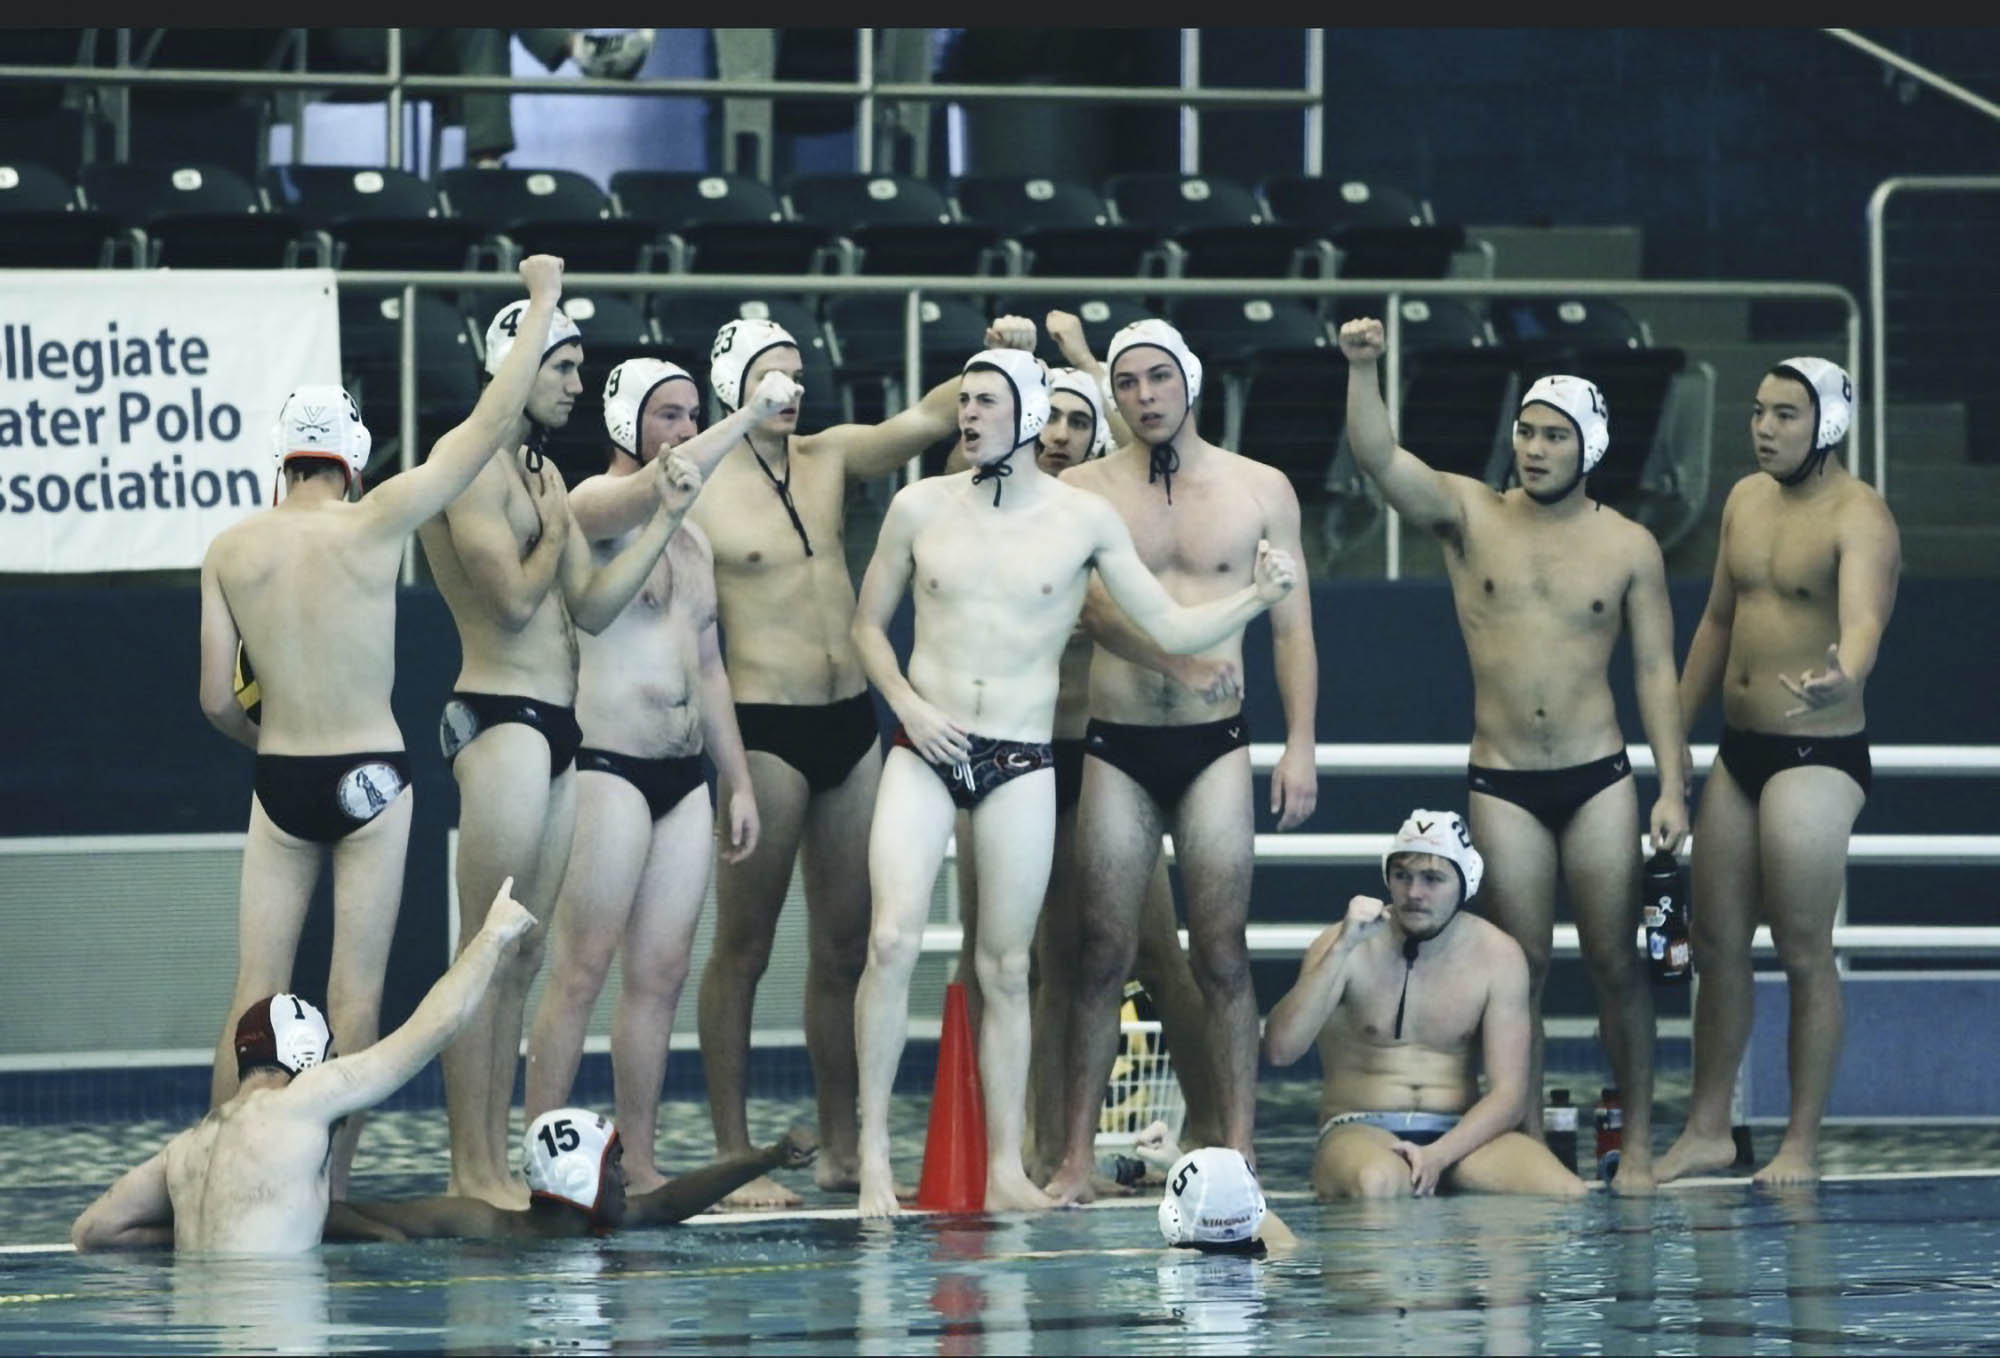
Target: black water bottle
(1559,1128)
(1666,916)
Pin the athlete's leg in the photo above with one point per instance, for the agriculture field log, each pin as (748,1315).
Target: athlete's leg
(1725,889)
(659,943)
(279,871)
(913,816)
(614,830)
(367,896)
(1806,816)
(1519,896)
(1513,1163)
(748,898)
(835,858)
(1600,865)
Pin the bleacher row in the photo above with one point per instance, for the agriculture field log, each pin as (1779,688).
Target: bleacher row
(1279,387)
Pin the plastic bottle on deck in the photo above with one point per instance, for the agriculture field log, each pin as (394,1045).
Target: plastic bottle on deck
(1559,1128)
(1610,1132)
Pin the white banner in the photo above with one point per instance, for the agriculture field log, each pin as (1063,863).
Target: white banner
(136,408)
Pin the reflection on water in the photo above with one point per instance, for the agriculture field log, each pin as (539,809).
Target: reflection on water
(1848,1268)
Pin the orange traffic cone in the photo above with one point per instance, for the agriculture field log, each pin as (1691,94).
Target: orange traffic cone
(955,1144)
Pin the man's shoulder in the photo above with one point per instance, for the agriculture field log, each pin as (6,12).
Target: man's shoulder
(1495,945)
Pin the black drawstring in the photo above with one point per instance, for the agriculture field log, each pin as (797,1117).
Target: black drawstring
(996,472)
(537,437)
(784,489)
(1165,462)
(1409,964)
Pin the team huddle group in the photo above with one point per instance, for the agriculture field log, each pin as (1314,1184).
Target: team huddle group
(1082,575)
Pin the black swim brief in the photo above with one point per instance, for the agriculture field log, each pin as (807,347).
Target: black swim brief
(991,764)
(1752,757)
(1164,760)
(323,798)
(823,741)
(665,781)
(467,714)
(1069,772)
(1551,796)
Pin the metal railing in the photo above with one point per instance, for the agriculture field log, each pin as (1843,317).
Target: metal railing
(1878,290)
(914,287)
(1951,89)
(397,85)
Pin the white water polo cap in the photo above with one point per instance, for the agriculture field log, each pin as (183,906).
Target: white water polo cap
(1031,388)
(1213,1200)
(507,325)
(566,1153)
(323,422)
(1445,834)
(739,344)
(630,385)
(283,1031)
(1161,336)
(1580,400)
(1832,394)
(1079,385)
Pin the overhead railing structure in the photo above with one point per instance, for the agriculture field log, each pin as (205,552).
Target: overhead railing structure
(397,86)
(913,289)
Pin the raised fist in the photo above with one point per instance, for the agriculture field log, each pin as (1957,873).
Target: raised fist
(1011,332)
(775,392)
(1275,572)
(678,481)
(1361,340)
(543,276)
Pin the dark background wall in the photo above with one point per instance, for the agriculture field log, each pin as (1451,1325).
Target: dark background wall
(103,735)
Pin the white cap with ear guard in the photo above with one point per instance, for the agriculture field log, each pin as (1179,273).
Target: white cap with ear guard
(1212,1201)
(507,324)
(1833,397)
(1079,385)
(1030,381)
(1583,403)
(566,1152)
(738,344)
(1445,834)
(1160,335)
(323,422)
(626,391)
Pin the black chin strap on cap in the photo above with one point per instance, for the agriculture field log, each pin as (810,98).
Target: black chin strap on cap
(1409,965)
(1813,462)
(538,440)
(784,489)
(1164,462)
(996,471)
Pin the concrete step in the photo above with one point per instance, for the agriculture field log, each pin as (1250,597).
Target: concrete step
(1596,252)
(1955,551)
(1931,495)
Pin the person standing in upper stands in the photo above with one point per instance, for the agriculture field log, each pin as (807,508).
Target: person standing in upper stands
(1805,580)
(518,575)
(304,595)
(489,123)
(651,697)
(1160,754)
(774,514)
(1544,579)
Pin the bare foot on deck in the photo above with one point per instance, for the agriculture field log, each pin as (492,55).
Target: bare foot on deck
(1635,1177)
(1693,1154)
(1788,1167)
(643,1178)
(1071,1186)
(761,1194)
(509,1194)
(878,1192)
(1015,1193)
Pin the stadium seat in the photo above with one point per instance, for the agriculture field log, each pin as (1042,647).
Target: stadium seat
(1064,228)
(448,378)
(1101,317)
(376,218)
(1558,324)
(1216,227)
(1281,377)
(1379,230)
(895,224)
(718,223)
(230,126)
(688,322)
(43,226)
(866,334)
(44,121)
(555,212)
(197,216)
